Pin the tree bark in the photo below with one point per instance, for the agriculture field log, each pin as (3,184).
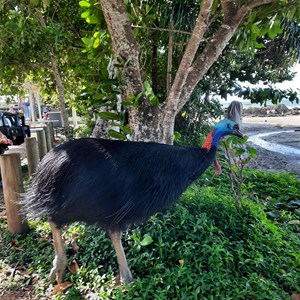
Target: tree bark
(144,122)
(170,59)
(154,70)
(61,95)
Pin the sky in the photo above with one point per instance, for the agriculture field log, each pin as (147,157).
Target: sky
(294,84)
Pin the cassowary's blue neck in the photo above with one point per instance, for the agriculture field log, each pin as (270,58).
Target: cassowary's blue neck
(213,139)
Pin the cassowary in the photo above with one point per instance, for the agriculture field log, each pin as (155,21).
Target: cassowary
(113,184)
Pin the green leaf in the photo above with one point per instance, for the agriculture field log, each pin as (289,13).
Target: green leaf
(254,29)
(153,100)
(239,151)
(96,43)
(86,41)
(85,14)
(177,135)
(34,2)
(84,4)
(109,116)
(96,34)
(147,87)
(147,240)
(259,45)
(127,103)
(251,151)
(116,134)
(92,19)
(126,129)
(275,29)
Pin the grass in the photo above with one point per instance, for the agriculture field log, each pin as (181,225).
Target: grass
(202,248)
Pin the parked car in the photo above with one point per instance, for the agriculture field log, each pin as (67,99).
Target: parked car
(13,126)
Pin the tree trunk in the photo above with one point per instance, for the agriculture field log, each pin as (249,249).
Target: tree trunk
(170,58)
(61,96)
(100,129)
(145,121)
(154,67)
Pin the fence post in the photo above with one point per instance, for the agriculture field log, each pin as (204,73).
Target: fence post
(51,129)
(48,137)
(32,153)
(42,144)
(11,174)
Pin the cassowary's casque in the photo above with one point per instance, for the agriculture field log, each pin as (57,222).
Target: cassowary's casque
(114,184)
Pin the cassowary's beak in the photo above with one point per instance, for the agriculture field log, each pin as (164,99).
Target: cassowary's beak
(236,131)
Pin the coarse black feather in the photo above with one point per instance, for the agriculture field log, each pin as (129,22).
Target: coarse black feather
(112,183)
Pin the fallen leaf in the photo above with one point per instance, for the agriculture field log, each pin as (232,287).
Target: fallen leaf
(73,266)
(117,280)
(19,249)
(295,296)
(44,239)
(293,222)
(13,242)
(61,287)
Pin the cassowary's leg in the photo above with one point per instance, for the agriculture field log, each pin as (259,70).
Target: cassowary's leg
(60,260)
(125,274)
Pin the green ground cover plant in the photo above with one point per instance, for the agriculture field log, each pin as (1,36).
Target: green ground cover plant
(202,248)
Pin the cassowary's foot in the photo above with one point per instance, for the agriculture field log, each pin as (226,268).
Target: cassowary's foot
(60,260)
(126,277)
(59,264)
(122,281)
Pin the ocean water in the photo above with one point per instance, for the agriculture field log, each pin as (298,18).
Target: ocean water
(247,103)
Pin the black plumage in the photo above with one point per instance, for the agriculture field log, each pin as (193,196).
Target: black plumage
(114,184)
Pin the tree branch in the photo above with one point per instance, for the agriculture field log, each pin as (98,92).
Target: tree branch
(216,45)
(189,54)
(162,29)
(229,9)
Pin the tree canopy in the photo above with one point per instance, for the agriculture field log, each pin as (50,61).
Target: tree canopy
(150,54)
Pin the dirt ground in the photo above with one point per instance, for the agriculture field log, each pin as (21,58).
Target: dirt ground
(289,135)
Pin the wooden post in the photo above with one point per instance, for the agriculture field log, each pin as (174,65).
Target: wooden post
(42,145)
(11,173)
(48,138)
(51,130)
(32,106)
(32,152)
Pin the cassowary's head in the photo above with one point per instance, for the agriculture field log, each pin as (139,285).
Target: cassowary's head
(226,127)
(221,129)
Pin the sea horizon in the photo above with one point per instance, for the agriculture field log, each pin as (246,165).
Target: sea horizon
(248,104)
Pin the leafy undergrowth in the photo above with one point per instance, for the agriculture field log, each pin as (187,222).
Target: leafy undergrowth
(200,249)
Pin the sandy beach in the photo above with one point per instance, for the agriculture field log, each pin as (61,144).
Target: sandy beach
(285,121)
(277,141)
